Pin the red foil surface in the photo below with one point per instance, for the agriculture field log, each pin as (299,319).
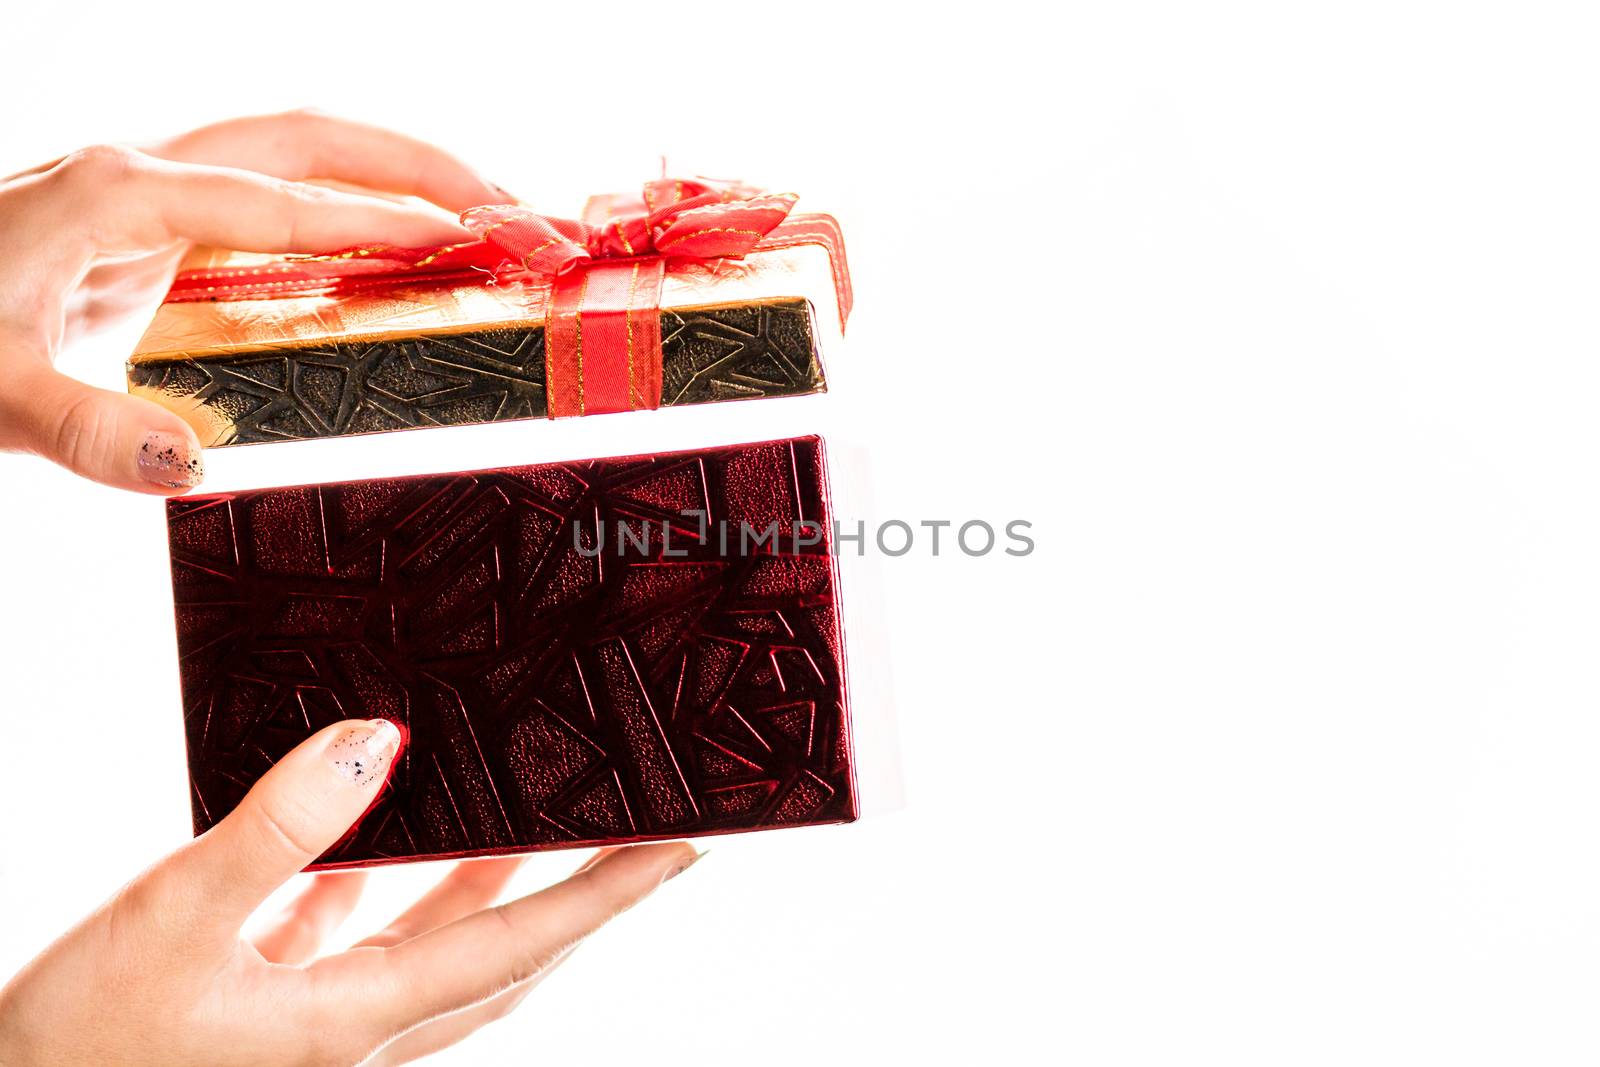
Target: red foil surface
(549,698)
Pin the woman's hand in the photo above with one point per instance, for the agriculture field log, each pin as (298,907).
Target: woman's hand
(99,232)
(160,974)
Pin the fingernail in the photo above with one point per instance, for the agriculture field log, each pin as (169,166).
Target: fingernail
(171,460)
(505,197)
(363,753)
(684,866)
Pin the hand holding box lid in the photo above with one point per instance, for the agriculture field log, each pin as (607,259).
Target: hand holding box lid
(691,292)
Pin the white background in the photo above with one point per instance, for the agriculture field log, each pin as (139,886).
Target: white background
(1277,321)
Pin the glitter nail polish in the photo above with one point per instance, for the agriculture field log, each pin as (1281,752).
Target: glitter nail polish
(685,865)
(170,459)
(363,753)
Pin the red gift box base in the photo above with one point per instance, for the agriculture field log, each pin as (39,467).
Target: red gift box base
(554,691)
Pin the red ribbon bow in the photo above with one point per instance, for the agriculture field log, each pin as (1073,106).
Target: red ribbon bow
(602,323)
(695,220)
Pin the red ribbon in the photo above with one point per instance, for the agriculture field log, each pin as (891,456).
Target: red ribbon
(602,320)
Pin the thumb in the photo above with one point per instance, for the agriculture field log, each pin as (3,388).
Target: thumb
(120,440)
(298,809)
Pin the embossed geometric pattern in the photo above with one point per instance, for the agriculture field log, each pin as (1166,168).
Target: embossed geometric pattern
(550,697)
(360,385)
(738,353)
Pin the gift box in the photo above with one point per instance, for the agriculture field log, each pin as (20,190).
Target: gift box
(577,654)
(689,293)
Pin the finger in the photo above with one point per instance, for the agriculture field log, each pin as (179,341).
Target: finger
(599,854)
(292,815)
(443,1032)
(298,145)
(110,292)
(300,929)
(108,437)
(474,958)
(471,885)
(36,169)
(129,201)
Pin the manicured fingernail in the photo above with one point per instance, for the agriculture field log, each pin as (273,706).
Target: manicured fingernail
(685,865)
(363,753)
(171,460)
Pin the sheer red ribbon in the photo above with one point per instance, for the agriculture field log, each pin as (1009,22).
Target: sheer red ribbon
(602,320)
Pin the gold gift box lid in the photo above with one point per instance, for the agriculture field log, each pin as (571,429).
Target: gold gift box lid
(285,368)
